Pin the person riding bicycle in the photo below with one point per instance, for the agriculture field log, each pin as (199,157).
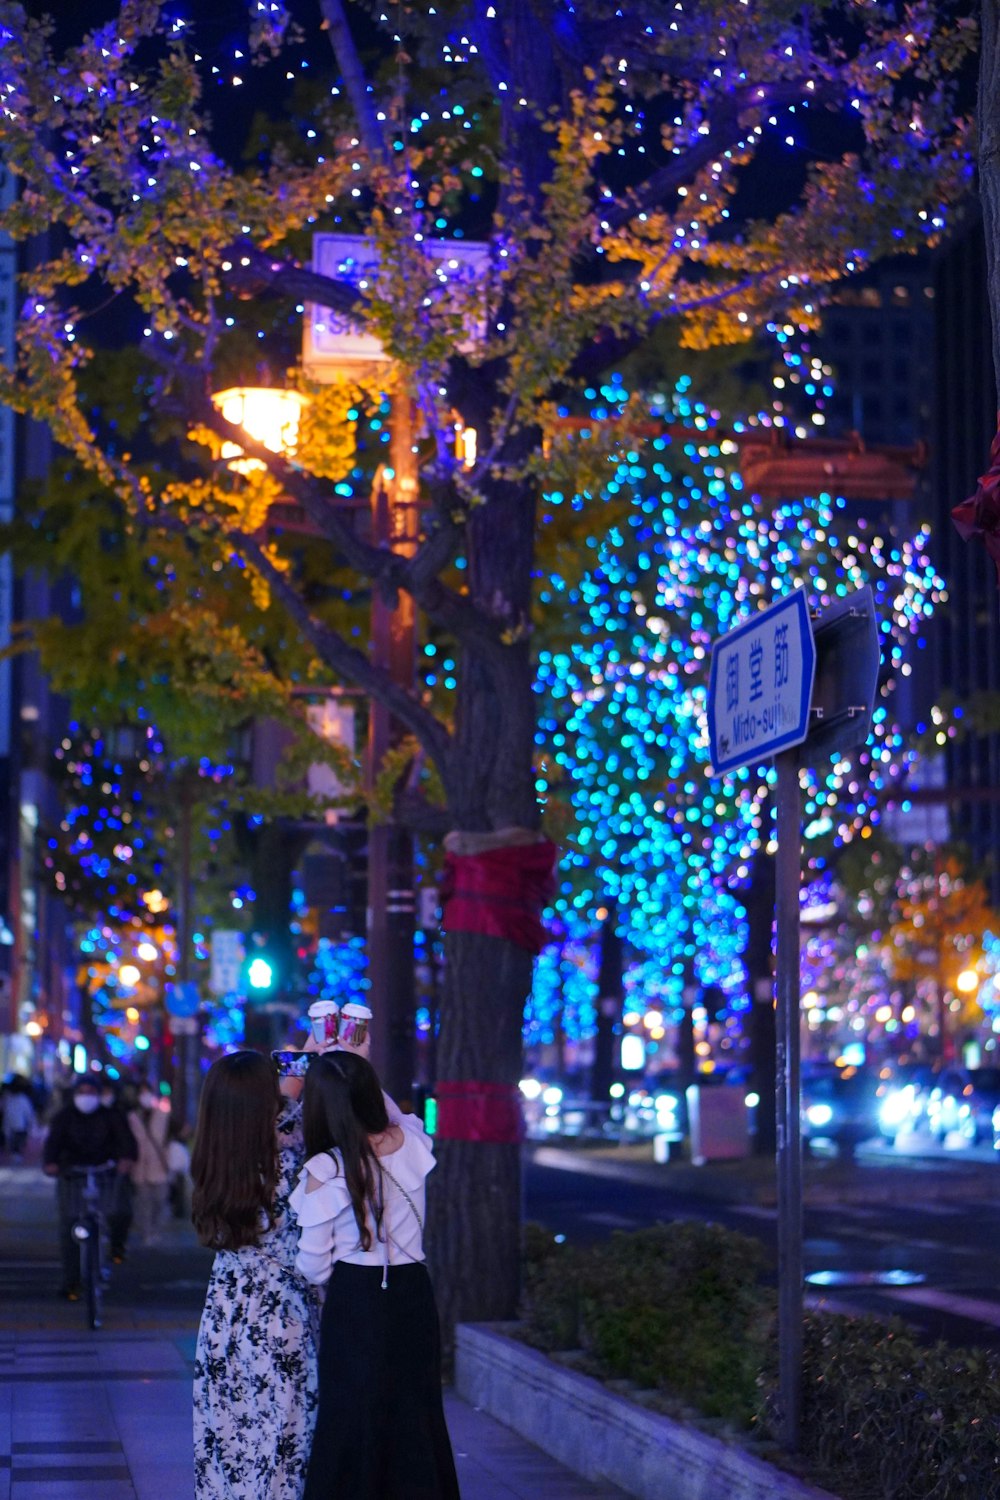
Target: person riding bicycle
(82,1134)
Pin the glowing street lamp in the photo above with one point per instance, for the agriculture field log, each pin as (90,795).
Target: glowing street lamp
(269,415)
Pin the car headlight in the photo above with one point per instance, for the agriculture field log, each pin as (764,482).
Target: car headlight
(819,1114)
(896,1107)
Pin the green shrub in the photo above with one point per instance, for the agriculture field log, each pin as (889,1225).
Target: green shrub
(678,1309)
(674,1308)
(888,1417)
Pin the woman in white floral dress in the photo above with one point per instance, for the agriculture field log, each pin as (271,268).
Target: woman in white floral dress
(255,1384)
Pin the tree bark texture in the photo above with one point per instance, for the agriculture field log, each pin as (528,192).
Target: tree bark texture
(989,160)
(759,961)
(610,998)
(474,1203)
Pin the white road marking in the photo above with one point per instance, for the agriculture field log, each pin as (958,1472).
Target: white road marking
(973,1308)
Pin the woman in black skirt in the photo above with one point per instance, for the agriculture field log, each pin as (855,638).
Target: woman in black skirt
(380,1428)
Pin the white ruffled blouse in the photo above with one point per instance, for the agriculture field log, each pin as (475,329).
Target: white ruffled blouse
(328,1231)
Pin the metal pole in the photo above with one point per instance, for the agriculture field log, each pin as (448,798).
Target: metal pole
(395,524)
(189,1040)
(788,874)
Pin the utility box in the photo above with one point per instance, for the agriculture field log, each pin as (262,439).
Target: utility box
(666,1148)
(718,1124)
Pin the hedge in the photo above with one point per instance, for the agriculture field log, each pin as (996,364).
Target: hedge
(679,1309)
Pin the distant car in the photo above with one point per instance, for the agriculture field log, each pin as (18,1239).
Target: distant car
(985,1102)
(902,1094)
(950,1110)
(840,1106)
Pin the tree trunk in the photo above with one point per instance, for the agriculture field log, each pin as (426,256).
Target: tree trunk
(610,993)
(474,1215)
(759,963)
(475,1199)
(989,160)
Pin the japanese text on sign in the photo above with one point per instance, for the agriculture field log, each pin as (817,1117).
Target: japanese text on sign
(761,685)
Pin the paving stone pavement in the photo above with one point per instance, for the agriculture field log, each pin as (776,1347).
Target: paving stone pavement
(106,1415)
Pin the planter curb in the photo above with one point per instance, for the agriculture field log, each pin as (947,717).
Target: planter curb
(601,1435)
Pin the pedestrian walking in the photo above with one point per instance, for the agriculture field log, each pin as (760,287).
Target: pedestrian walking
(18,1116)
(380,1429)
(82,1134)
(151,1174)
(179,1167)
(255,1379)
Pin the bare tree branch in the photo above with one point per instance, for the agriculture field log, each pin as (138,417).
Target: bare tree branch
(355,81)
(726,128)
(254,270)
(330,520)
(390,572)
(347,661)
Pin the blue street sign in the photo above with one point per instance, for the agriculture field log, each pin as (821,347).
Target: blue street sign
(182,999)
(760,686)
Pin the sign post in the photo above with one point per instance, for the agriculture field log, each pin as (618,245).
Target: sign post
(766,697)
(759,698)
(788,1085)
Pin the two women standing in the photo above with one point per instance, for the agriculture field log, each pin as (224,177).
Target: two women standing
(370,1413)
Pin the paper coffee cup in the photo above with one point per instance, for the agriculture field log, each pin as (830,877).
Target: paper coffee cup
(354,1024)
(323,1018)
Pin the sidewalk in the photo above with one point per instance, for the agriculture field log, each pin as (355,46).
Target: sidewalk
(107,1415)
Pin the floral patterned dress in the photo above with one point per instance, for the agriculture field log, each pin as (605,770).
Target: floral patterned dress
(255,1386)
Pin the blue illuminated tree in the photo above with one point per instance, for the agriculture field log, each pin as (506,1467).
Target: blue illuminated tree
(687,553)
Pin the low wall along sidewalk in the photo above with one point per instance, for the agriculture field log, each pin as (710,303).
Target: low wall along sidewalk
(602,1435)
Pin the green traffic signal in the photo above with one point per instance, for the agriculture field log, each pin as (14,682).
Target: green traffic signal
(260,974)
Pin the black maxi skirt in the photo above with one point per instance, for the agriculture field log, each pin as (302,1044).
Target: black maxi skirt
(380,1427)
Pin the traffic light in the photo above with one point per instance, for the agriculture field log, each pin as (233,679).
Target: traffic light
(260,974)
(260,970)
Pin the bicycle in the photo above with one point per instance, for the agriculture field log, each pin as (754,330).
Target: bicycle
(92,1187)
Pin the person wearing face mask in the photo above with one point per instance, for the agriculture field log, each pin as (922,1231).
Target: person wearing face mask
(82,1134)
(150,1125)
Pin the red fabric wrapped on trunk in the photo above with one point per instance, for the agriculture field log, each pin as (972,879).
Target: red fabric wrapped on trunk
(500,892)
(469,1110)
(980,514)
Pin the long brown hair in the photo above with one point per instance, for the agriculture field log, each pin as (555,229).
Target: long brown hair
(342,1106)
(234,1164)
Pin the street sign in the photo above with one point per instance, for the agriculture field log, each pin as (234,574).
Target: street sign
(182,999)
(760,685)
(228,953)
(848,659)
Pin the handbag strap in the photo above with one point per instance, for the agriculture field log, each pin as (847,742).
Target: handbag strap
(384,1171)
(401,1189)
